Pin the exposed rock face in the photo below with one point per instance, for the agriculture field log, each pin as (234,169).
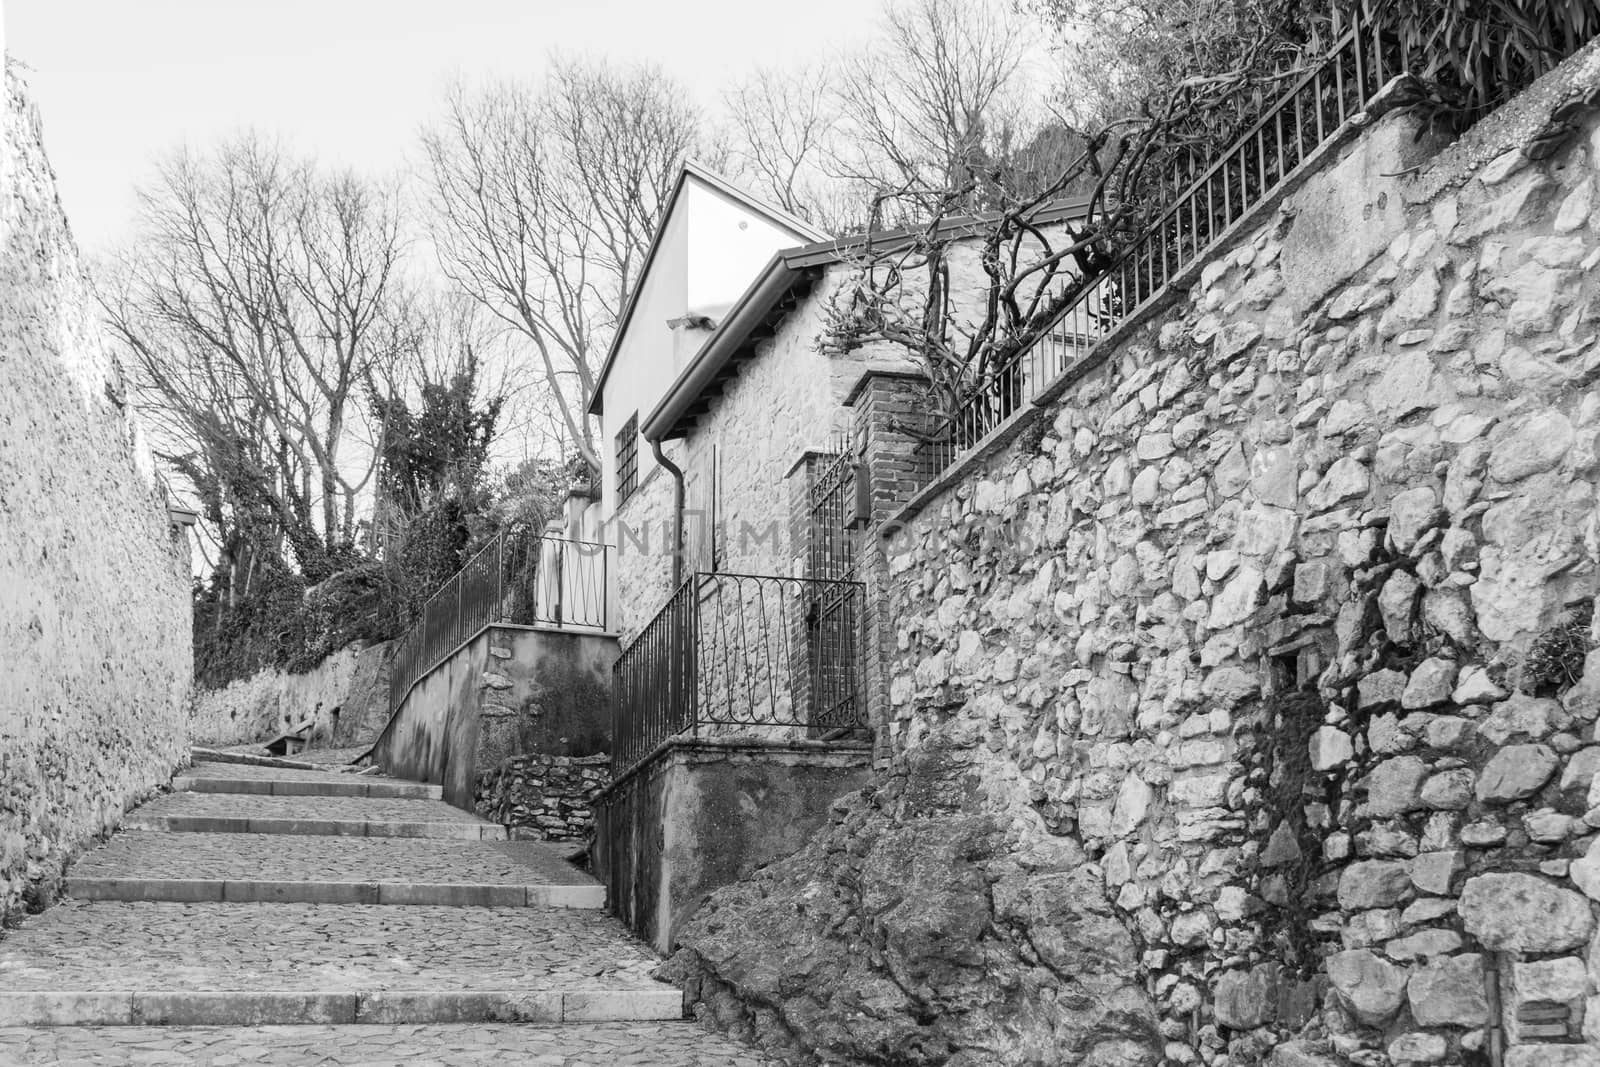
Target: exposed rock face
(935,922)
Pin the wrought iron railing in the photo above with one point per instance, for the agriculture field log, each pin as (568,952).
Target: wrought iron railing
(741,653)
(1204,198)
(521,578)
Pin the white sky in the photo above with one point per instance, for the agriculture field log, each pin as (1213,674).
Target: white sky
(121,81)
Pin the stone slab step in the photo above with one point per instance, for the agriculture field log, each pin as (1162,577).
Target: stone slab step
(619,1044)
(247,759)
(299,1007)
(255,891)
(281,782)
(240,813)
(116,963)
(332,870)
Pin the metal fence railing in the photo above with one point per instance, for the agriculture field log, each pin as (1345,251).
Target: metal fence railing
(741,653)
(521,578)
(1203,199)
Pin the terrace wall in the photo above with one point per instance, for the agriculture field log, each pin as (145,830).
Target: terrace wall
(1258,661)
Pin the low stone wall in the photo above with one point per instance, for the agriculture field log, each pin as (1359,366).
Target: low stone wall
(542,797)
(95,650)
(510,691)
(347,694)
(700,814)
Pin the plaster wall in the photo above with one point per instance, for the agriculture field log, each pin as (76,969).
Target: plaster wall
(94,582)
(347,695)
(706,813)
(508,692)
(710,249)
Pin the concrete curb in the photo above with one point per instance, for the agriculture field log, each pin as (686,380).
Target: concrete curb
(400,894)
(380,789)
(191,1007)
(220,824)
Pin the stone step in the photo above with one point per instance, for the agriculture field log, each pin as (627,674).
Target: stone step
(201,754)
(248,868)
(242,813)
(168,964)
(678,1043)
(157,1006)
(258,890)
(274,781)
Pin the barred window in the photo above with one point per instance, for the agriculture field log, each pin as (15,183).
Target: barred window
(628,458)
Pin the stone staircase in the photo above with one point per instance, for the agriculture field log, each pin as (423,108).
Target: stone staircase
(270,897)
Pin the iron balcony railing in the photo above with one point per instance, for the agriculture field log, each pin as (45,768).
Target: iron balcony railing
(1204,198)
(741,653)
(520,577)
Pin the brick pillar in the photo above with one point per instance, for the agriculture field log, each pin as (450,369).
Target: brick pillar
(884,404)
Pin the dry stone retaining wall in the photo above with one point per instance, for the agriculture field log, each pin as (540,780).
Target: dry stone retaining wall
(1284,614)
(543,797)
(95,653)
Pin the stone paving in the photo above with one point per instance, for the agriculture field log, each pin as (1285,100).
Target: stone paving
(596,1045)
(253,778)
(256,772)
(346,816)
(225,982)
(119,945)
(235,806)
(340,859)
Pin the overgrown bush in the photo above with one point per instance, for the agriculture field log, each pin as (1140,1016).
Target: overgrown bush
(1477,54)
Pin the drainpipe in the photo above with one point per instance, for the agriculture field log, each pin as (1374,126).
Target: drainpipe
(677,511)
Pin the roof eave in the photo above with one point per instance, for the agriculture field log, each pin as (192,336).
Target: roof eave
(774,281)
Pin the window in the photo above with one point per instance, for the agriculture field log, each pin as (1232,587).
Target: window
(628,458)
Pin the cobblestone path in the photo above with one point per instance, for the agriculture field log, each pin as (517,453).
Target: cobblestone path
(236,927)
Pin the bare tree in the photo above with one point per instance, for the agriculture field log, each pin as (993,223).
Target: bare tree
(253,302)
(926,108)
(781,125)
(543,205)
(1023,263)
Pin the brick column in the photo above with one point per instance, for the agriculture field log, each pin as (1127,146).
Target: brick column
(884,404)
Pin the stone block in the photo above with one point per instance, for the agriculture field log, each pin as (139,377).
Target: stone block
(1515,772)
(1449,992)
(1369,986)
(1523,913)
(623,1005)
(243,1008)
(1374,884)
(1245,1000)
(1432,872)
(1395,786)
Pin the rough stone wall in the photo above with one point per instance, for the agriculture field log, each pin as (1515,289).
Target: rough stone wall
(642,532)
(542,797)
(347,694)
(1282,612)
(94,584)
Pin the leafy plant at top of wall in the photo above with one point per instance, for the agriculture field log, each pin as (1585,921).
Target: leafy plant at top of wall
(1474,55)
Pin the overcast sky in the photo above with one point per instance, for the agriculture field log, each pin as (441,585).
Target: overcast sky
(119,81)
